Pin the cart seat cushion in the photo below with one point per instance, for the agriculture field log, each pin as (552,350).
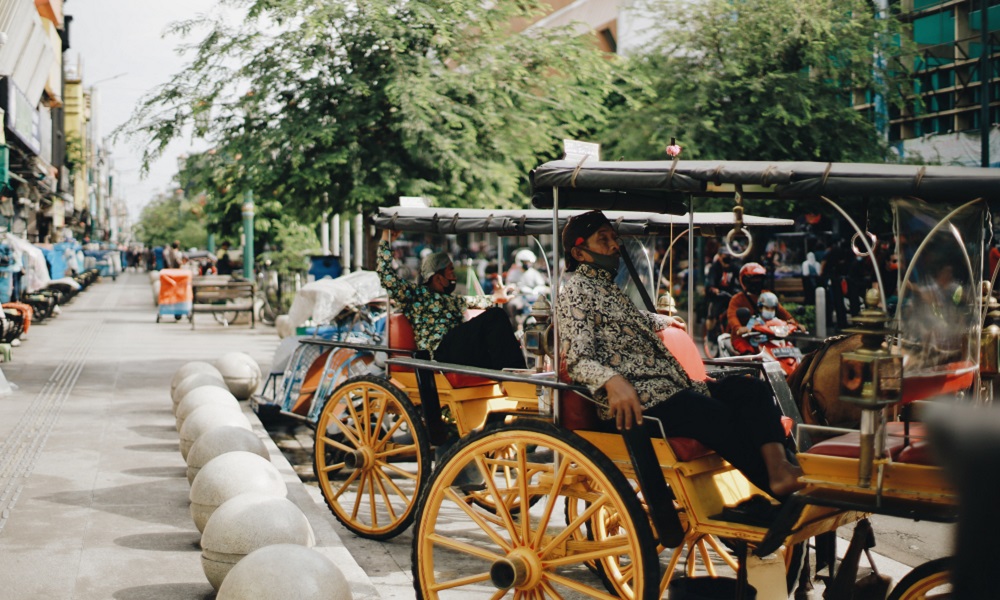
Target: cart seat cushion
(401,337)
(917,453)
(956,377)
(848,445)
(680,344)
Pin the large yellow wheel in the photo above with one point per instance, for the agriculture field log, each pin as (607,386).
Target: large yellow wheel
(931,580)
(461,547)
(371,457)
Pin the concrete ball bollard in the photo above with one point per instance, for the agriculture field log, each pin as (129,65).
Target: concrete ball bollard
(203,396)
(195,381)
(206,418)
(229,475)
(220,440)
(283,326)
(187,369)
(241,373)
(246,523)
(283,571)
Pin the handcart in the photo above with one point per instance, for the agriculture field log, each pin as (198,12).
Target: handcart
(349,309)
(176,295)
(571,510)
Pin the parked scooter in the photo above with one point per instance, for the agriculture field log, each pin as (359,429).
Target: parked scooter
(769,339)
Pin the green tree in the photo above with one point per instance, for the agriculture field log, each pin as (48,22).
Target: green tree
(762,80)
(368,100)
(171,217)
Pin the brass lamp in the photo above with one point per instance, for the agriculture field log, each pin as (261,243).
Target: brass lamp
(872,378)
(989,348)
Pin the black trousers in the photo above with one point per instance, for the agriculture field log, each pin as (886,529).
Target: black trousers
(485,341)
(737,419)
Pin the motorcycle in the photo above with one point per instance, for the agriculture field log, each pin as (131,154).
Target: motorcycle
(771,340)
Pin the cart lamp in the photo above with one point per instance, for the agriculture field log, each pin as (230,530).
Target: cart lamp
(537,334)
(872,378)
(666,305)
(989,348)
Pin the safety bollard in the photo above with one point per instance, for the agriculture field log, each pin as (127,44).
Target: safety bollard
(229,475)
(241,373)
(206,395)
(194,381)
(220,440)
(285,571)
(206,418)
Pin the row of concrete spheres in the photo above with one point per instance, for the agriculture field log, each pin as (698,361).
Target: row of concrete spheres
(256,543)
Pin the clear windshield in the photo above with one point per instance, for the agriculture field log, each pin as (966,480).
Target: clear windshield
(939,278)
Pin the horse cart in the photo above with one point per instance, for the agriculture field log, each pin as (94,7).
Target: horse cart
(373,449)
(569,509)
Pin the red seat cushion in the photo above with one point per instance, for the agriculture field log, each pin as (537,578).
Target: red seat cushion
(848,445)
(688,448)
(956,377)
(917,453)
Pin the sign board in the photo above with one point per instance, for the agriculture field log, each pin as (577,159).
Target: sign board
(578,151)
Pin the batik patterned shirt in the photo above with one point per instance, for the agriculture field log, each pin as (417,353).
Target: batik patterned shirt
(432,315)
(603,334)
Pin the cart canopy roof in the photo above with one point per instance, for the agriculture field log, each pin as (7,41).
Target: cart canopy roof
(536,222)
(662,186)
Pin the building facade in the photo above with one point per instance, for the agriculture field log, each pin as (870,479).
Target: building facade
(54,174)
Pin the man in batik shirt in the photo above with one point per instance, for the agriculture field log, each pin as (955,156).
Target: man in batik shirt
(438,317)
(611,347)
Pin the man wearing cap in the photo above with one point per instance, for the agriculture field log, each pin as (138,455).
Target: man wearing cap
(438,317)
(611,347)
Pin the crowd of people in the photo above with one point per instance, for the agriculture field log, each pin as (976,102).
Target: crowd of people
(138,257)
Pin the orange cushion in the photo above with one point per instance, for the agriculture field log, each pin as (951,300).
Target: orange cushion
(680,344)
(401,337)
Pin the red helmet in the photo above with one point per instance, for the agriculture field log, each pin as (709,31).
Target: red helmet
(752,271)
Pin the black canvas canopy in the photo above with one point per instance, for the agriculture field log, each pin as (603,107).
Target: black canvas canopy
(663,186)
(539,222)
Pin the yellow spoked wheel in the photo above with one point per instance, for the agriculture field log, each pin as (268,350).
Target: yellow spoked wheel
(461,548)
(501,469)
(931,580)
(371,457)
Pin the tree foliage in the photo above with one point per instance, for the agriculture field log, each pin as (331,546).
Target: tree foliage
(762,80)
(172,217)
(368,100)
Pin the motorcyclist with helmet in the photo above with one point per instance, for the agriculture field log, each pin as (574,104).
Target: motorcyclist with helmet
(720,286)
(529,282)
(754,301)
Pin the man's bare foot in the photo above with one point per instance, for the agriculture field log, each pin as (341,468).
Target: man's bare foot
(787,480)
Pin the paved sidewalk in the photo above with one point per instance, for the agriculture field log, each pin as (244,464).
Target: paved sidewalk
(93,492)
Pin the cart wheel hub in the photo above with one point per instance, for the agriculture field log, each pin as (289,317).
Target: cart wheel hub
(363,458)
(520,569)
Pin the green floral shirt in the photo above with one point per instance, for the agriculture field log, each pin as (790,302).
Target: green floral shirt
(603,334)
(432,315)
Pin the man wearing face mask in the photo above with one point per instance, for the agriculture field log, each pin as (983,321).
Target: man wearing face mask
(752,277)
(438,318)
(612,348)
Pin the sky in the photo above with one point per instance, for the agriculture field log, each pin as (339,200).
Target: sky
(124,55)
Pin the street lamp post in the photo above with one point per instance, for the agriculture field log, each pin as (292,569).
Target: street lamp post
(248,211)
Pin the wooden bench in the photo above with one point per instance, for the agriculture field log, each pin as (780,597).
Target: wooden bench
(219,296)
(790,289)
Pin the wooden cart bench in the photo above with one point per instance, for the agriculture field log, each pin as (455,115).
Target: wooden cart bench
(216,296)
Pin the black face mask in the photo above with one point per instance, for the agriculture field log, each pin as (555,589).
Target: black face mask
(450,287)
(755,287)
(607,262)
